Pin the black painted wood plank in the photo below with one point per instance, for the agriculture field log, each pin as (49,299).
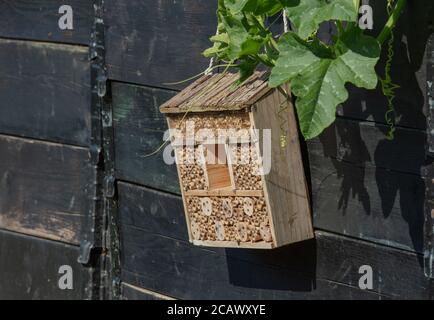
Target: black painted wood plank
(180,270)
(39,20)
(365,144)
(45,91)
(156,42)
(43,188)
(153,227)
(139,128)
(29,269)
(368,203)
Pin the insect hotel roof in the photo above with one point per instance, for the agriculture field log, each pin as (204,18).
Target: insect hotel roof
(218,92)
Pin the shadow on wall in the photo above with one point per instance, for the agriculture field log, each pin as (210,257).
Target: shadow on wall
(360,152)
(292,267)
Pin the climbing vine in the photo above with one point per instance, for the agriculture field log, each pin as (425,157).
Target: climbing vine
(317,72)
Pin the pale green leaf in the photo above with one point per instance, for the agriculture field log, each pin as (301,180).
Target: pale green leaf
(307,15)
(318,74)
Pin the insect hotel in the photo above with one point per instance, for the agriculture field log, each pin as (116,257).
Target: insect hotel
(239,163)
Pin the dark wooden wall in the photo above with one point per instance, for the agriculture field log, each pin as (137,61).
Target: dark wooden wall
(45,175)
(367,192)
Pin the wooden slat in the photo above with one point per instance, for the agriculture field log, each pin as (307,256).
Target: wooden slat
(38,20)
(143,48)
(293,272)
(45,91)
(148,212)
(365,144)
(225,193)
(218,92)
(368,203)
(191,90)
(139,128)
(43,188)
(30,269)
(234,244)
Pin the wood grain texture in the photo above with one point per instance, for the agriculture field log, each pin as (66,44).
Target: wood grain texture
(45,91)
(156,42)
(30,269)
(369,203)
(43,188)
(285,185)
(139,128)
(157,256)
(365,144)
(38,20)
(218,92)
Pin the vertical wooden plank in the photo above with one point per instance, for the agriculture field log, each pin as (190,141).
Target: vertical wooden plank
(286,185)
(39,20)
(156,42)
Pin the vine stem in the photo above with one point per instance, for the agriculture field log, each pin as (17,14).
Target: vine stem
(384,34)
(357,4)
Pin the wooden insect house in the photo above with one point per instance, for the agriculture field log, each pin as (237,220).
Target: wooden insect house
(239,163)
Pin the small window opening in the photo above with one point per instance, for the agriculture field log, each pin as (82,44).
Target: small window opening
(217,166)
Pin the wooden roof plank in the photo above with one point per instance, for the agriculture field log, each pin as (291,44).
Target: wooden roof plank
(216,93)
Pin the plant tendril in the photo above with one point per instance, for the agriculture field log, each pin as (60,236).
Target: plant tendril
(387,86)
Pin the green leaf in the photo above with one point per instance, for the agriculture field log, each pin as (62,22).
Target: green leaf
(247,68)
(245,36)
(236,6)
(318,74)
(307,15)
(258,7)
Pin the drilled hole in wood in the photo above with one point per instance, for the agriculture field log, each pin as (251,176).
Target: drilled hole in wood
(227,208)
(195,230)
(265,232)
(220,230)
(206,205)
(248,206)
(243,231)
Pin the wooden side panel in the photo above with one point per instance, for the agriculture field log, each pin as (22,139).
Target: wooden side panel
(155,43)
(139,129)
(285,184)
(30,269)
(157,257)
(43,188)
(45,91)
(39,20)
